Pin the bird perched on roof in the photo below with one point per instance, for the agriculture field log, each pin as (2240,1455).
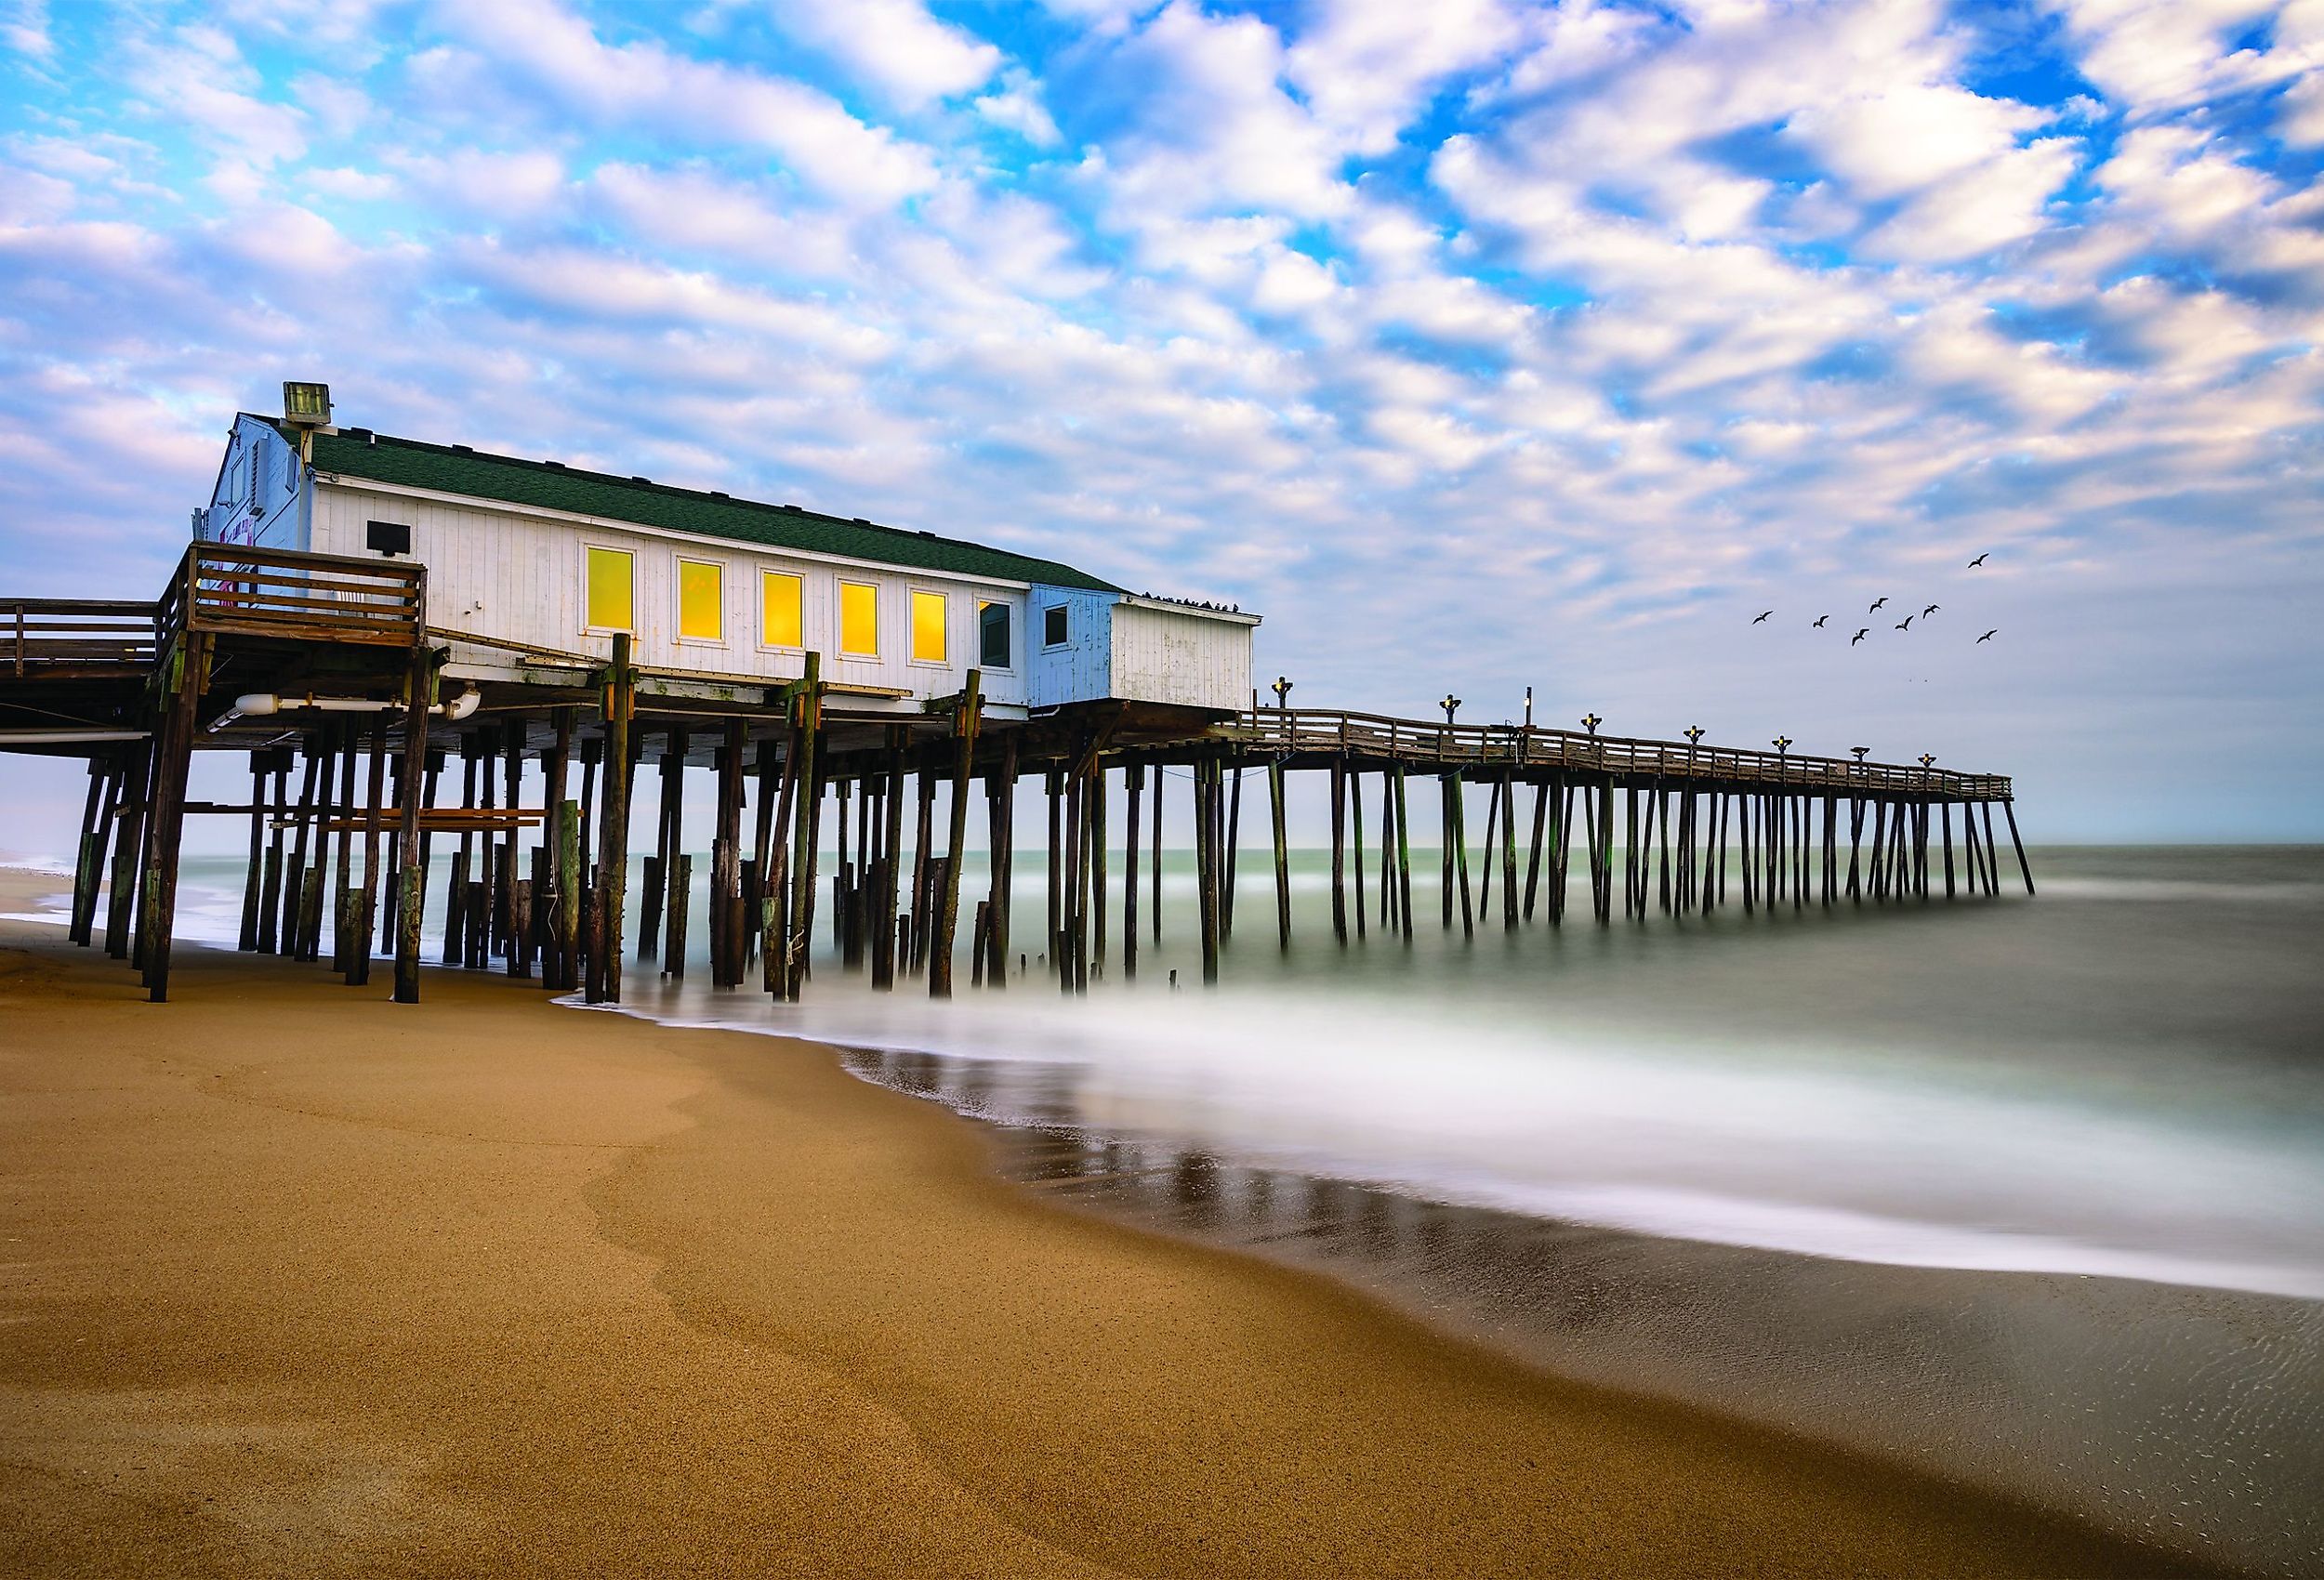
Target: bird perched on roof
(1905,623)
(1987,636)
(1820,621)
(1876,606)
(1979,559)
(1860,635)
(1929,611)
(1763,617)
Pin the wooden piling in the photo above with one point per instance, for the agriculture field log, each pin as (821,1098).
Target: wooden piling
(808,712)
(964,727)
(1205,858)
(1403,855)
(2009,811)
(1339,853)
(1134,787)
(1282,854)
(618,704)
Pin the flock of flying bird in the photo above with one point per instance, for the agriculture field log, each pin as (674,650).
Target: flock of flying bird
(1904,624)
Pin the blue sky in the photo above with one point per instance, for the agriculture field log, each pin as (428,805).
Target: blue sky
(1477,344)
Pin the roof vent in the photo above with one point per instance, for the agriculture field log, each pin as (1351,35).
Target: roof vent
(924,533)
(635,478)
(554,465)
(464,448)
(792,508)
(859,520)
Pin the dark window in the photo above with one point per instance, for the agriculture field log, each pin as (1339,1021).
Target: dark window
(387,538)
(992,630)
(1053,632)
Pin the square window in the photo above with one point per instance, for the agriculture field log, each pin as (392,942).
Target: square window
(1053,631)
(387,537)
(928,628)
(992,635)
(859,620)
(701,600)
(610,576)
(783,622)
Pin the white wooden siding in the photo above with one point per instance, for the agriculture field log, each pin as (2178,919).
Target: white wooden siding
(1183,656)
(276,520)
(515,578)
(1080,669)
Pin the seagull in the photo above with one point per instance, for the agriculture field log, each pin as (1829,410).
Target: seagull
(1819,622)
(1905,623)
(1876,605)
(1978,560)
(1859,636)
(1929,610)
(1987,636)
(1763,617)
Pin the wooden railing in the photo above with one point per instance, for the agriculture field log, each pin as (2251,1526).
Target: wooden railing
(1293,730)
(62,637)
(270,592)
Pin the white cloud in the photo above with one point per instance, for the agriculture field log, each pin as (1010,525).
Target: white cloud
(845,158)
(1987,206)
(1017,108)
(893,45)
(2153,56)
(1366,66)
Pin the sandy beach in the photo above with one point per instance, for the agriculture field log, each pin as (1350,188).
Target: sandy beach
(301,1281)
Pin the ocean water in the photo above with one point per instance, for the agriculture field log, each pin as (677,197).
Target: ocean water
(2026,1193)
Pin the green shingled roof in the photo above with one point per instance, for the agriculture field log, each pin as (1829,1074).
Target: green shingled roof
(356,453)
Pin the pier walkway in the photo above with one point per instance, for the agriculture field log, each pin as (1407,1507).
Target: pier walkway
(328,670)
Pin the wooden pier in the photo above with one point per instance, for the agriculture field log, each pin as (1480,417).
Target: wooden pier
(353,704)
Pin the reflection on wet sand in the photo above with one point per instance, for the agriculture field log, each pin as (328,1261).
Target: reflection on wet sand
(2174,1415)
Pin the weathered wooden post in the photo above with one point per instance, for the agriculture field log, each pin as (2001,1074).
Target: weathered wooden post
(1355,843)
(1283,871)
(726,861)
(1404,856)
(618,704)
(882,922)
(252,878)
(1339,788)
(1053,785)
(800,925)
(1233,845)
(1205,864)
(361,908)
(964,723)
(2009,811)
(1135,777)
(1154,878)
(1095,908)
(188,677)
(1004,856)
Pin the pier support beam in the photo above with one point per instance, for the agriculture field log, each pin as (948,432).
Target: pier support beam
(619,706)
(964,723)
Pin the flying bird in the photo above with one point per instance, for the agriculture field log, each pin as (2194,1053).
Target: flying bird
(1819,622)
(1763,617)
(1929,610)
(1987,636)
(1905,623)
(1978,560)
(1859,636)
(1876,606)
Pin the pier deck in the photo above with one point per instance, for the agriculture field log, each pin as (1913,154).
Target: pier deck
(329,669)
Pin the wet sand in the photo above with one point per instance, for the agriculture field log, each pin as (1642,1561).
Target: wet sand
(300,1281)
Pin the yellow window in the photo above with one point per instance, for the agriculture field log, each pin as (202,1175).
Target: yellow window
(928,628)
(612,603)
(782,620)
(859,620)
(701,600)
